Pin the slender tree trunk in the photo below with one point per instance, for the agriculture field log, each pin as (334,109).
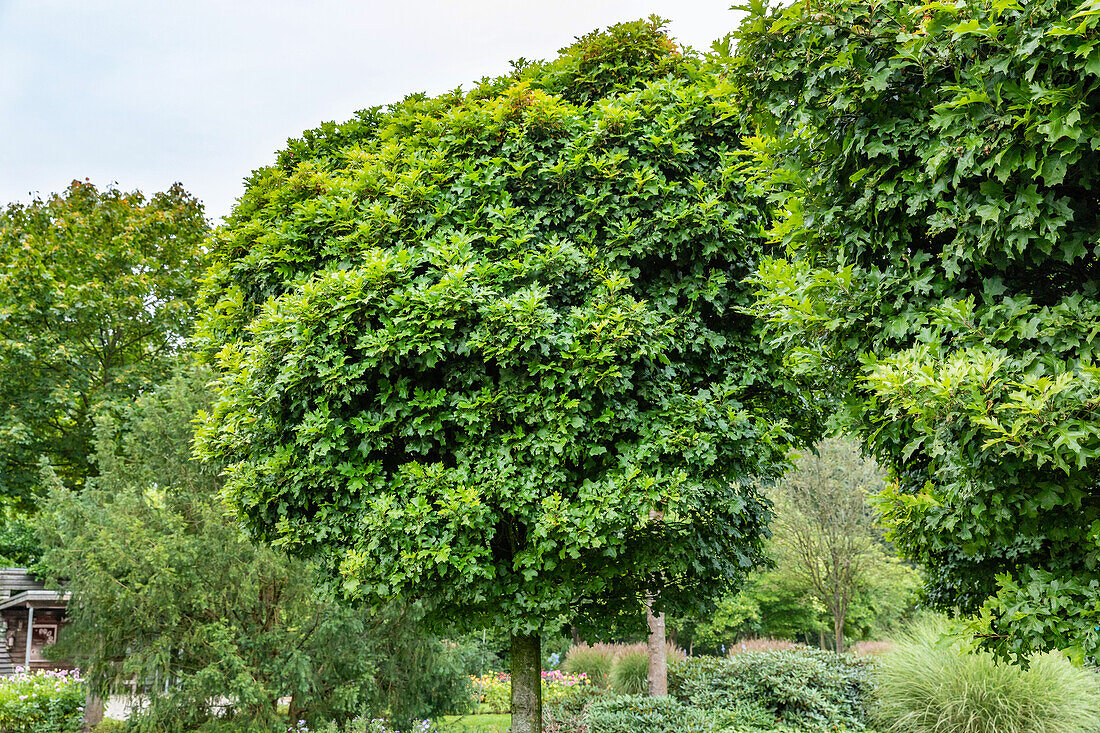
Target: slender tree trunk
(838,633)
(93,712)
(658,652)
(576,636)
(526,684)
(658,649)
(821,638)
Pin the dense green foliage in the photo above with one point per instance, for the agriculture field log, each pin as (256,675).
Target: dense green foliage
(42,702)
(928,685)
(833,571)
(465,344)
(801,687)
(166,590)
(96,294)
(630,714)
(934,173)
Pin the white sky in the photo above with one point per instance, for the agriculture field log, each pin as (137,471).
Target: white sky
(143,94)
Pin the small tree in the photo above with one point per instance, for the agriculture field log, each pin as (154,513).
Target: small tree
(96,296)
(467,344)
(166,591)
(824,534)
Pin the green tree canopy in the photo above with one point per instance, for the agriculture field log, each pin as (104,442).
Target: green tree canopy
(935,170)
(166,591)
(96,296)
(467,343)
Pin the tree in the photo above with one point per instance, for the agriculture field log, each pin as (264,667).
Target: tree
(166,592)
(935,172)
(824,534)
(96,296)
(833,574)
(466,344)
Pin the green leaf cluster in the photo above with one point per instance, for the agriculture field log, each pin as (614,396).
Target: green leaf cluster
(168,595)
(934,173)
(96,296)
(466,344)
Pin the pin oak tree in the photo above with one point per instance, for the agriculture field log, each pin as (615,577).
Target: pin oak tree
(467,343)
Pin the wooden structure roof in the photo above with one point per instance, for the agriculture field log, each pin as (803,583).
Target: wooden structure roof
(20,596)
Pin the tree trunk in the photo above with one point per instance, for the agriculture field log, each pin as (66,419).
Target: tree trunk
(821,638)
(658,649)
(93,712)
(526,684)
(658,652)
(838,633)
(576,636)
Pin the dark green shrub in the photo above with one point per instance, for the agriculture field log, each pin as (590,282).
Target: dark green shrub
(803,687)
(927,685)
(638,714)
(42,702)
(566,713)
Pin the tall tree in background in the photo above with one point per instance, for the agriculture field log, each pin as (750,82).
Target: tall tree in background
(937,173)
(824,528)
(467,344)
(96,296)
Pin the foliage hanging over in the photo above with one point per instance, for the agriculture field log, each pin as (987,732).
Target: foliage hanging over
(467,343)
(936,172)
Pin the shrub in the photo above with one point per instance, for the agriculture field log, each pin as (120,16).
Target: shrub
(624,667)
(369,725)
(110,725)
(803,687)
(927,684)
(872,648)
(638,714)
(42,702)
(762,645)
(592,661)
(493,690)
(567,712)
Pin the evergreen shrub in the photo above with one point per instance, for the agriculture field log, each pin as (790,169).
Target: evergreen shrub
(801,687)
(42,702)
(638,714)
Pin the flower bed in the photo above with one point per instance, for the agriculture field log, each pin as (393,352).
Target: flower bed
(42,702)
(494,690)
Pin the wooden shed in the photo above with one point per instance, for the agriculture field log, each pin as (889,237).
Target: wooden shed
(30,617)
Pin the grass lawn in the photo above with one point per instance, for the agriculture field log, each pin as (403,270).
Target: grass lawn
(475,723)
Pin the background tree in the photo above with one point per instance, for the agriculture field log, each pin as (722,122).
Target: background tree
(167,592)
(824,533)
(466,344)
(936,176)
(96,296)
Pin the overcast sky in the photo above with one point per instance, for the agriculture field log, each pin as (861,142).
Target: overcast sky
(143,94)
